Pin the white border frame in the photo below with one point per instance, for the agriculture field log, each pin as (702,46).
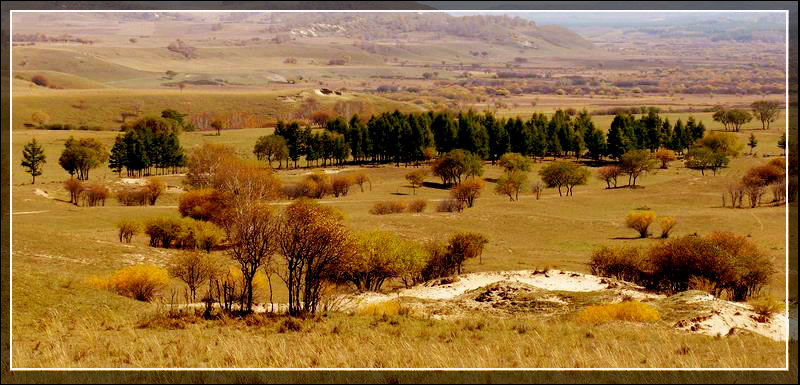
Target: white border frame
(11,179)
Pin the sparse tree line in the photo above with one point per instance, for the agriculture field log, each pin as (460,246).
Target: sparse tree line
(766,111)
(306,244)
(149,146)
(94,194)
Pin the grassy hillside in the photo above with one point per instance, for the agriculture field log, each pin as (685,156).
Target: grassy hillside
(81,64)
(59,80)
(103,107)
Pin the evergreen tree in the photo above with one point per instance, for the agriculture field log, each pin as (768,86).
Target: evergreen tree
(33,158)
(518,135)
(116,162)
(445,132)
(752,143)
(498,138)
(782,143)
(563,129)
(677,142)
(538,129)
(596,143)
(618,142)
(651,125)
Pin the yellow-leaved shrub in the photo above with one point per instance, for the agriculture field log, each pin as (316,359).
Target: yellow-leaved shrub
(140,282)
(640,220)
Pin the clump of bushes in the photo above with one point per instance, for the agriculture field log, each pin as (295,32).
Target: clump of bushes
(447,260)
(341,185)
(766,306)
(163,230)
(69,127)
(127,229)
(640,221)
(144,195)
(391,207)
(623,311)
(727,264)
(450,205)
(623,263)
(317,185)
(91,195)
(132,196)
(95,194)
(417,205)
(183,233)
(205,204)
(140,282)
(291,325)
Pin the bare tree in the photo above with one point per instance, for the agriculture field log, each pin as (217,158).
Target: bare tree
(252,232)
(193,268)
(313,242)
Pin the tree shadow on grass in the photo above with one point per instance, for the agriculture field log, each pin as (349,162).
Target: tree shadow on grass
(399,193)
(440,186)
(628,238)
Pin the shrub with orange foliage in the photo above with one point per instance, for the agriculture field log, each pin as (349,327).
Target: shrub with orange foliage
(467,191)
(205,204)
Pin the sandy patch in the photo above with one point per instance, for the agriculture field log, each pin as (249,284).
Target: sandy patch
(59,258)
(319,92)
(133,181)
(332,170)
(42,193)
(725,318)
(553,280)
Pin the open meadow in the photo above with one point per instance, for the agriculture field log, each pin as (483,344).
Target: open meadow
(57,247)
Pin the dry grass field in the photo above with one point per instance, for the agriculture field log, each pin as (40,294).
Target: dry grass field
(60,319)
(57,247)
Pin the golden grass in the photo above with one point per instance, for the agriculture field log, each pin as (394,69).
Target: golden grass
(338,340)
(624,311)
(385,308)
(767,305)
